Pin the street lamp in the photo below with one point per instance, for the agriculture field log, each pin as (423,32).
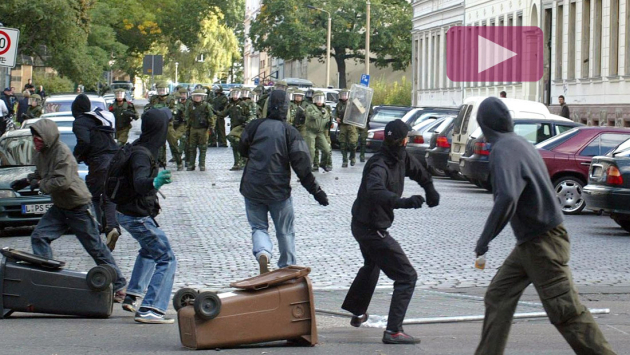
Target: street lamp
(176,66)
(327,42)
(367,39)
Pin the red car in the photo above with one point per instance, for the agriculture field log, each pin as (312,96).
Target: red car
(568,157)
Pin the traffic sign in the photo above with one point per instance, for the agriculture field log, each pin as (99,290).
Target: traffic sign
(365,80)
(9,38)
(256,81)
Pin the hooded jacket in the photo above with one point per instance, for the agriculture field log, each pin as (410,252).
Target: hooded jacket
(523,193)
(57,169)
(94,130)
(273,148)
(382,185)
(143,166)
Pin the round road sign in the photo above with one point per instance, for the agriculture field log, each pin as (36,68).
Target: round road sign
(5,42)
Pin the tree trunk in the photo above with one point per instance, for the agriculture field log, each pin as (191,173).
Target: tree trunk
(341,68)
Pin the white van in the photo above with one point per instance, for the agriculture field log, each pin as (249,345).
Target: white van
(466,122)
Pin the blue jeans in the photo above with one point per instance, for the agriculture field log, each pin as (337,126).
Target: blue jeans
(282,216)
(82,223)
(154,270)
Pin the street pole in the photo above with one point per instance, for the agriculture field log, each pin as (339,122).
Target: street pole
(367,39)
(328,52)
(176,66)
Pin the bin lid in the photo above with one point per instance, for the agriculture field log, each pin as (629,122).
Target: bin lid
(275,277)
(31,258)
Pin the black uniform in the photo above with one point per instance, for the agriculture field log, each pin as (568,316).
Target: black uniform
(372,213)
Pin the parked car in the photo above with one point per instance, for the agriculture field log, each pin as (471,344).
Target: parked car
(61,121)
(412,117)
(474,163)
(466,122)
(608,188)
(383,114)
(420,138)
(24,207)
(568,158)
(439,148)
(63,102)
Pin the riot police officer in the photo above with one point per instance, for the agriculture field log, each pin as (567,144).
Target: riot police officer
(297,112)
(179,128)
(34,107)
(238,119)
(161,100)
(347,133)
(124,112)
(219,103)
(201,119)
(317,123)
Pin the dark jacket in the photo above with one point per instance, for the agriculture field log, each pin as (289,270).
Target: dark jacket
(22,108)
(523,193)
(565,111)
(382,185)
(144,167)
(95,135)
(57,169)
(273,150)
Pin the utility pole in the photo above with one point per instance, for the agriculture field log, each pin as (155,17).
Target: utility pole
(367,39)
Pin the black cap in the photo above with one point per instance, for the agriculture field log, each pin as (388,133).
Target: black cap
(396,130)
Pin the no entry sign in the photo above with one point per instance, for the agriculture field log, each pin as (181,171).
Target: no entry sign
(9,38)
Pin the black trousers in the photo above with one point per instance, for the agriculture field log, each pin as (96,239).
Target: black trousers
(381,252)
(104,209)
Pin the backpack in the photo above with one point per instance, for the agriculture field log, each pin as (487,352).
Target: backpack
(118,184)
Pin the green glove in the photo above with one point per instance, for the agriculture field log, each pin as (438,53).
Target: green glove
(163,177)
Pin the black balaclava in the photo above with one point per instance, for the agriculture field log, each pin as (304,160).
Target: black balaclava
(81,105)
(154,130)
(394,131)
(494,119)
(278,105)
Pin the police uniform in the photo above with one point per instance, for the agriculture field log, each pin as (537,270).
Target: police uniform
(200,119)
(347,133)
(124,112)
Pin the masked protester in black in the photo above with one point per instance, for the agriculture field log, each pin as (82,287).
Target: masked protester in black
(524,196)
(372,214)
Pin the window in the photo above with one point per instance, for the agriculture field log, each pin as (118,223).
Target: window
(416,63)
(614,38)
(603,144)
(572,40)
(597,40)
(464,128)
(557,140)
(559,28)
(623,149)
(459,119)
(561,129)
(586,35)
(533,132)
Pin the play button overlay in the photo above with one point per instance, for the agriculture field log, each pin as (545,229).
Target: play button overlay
(494,54)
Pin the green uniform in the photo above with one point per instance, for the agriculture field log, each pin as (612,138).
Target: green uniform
(157,101)
(218,135)
(297,116)
(179,128)
(347,135)
(34,112)
(327,134)
(200,120)
(124,112)
(317,124)
(238,119)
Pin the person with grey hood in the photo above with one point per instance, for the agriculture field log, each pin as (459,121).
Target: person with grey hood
(524,196)
(56,174)
(96,147)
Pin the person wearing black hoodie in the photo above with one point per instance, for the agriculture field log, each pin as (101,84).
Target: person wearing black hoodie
(524,196)
(154,270)
(380,193)
(96,147)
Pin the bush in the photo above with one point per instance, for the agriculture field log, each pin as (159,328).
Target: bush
(52,83)
(397,93)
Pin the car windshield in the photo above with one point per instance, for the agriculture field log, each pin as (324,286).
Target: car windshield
(623,150)
(19,150)
(420,127)
(385,115)
(58,106)
(447,121)
(551,143)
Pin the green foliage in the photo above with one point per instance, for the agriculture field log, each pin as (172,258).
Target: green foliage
(287,29)
(52,83)
(398,94)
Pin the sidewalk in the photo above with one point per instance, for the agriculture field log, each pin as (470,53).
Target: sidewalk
(25,334)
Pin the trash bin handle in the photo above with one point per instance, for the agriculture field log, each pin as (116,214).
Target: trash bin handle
(261,287)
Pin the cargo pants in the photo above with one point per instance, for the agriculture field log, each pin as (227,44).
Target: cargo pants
(198,139)
(348,142)
(172,137)
(318,141)
(363,133)
(542,261)
(122,135)
(235,138)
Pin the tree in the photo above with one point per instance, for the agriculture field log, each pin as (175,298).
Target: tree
(287,29)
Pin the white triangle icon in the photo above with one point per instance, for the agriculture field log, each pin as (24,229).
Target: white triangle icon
(490,54)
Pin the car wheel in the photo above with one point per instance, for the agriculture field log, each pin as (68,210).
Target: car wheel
(623,222)
(569,194)
(183,297)
(207,305)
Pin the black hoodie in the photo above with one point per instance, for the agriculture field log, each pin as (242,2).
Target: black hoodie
(144,167)
(523,193)
(93,137)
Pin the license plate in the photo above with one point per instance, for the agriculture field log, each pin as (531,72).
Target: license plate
(426,155)
(39,208)
(597,171)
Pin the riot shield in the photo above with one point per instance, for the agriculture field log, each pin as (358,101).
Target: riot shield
(358,107)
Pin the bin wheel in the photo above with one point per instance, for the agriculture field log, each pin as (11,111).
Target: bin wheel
(98,278)
(182,297)
(207,305)
(112,271)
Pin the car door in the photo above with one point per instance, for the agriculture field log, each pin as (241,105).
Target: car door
(602,144)
(460,133)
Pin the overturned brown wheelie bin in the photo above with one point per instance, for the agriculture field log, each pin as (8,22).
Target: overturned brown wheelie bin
(274,306)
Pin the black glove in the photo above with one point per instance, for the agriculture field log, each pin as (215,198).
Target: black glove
(321,197)
(414,201)
(34,184)
(18,185)
(433,197)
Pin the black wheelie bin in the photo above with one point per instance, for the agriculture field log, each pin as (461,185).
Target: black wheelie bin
(274,306)
(29,283)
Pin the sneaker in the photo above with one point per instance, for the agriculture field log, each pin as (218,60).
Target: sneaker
(356,321)
(129,304)
(152,317)
(112,238)
(400,337)
(120,296)
(263,262)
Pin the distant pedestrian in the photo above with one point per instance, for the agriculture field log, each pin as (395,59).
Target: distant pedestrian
(524,196)
(565,108)
(503,95)
(96,147)
(23,105)
(380,193)
(56,174)
(41,92)
(29,85)
(6,97)
(154,271)
(272,148)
